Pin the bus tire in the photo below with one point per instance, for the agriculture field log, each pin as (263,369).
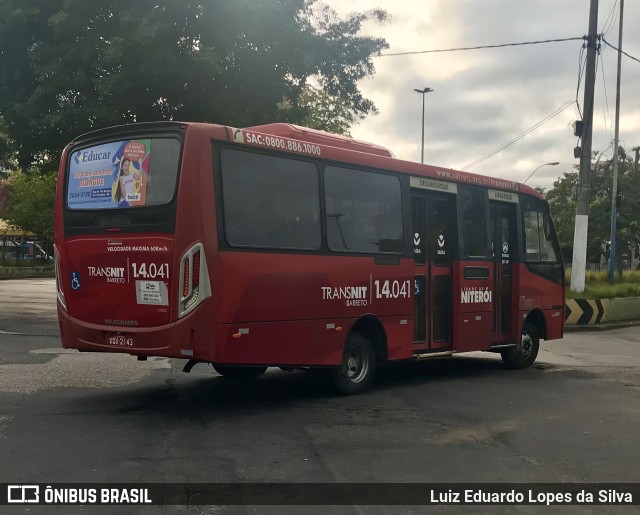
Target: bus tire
(358,367)
(526,354)
(239,373)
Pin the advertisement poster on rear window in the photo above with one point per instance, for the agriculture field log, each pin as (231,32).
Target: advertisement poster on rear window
(113,175)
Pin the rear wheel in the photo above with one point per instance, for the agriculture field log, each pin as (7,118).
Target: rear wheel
(524,356)
(358,367)
(239,373)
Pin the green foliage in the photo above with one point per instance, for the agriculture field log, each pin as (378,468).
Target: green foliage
(593,277)
(597,285)
(71,66)
(606,291)
(323,111)
(7,155)
(30,202)
(563,208)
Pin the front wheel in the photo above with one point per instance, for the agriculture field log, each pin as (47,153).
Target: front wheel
(358,367)
(239,373)
(525,356)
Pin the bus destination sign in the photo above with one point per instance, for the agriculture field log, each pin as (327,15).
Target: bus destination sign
(427,183)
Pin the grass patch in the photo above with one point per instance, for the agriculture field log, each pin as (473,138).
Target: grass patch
(597,285)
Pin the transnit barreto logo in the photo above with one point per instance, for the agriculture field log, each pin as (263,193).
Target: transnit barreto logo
(353,295)
(112,274)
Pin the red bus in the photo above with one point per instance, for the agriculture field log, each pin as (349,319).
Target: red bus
(283,246)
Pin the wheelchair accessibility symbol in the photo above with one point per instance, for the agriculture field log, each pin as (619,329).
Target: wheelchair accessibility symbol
(75,280)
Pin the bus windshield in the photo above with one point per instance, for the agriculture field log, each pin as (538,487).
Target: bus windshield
(123,174)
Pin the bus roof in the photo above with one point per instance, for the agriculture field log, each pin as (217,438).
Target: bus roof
(291,131)
(337,147)
(375,152)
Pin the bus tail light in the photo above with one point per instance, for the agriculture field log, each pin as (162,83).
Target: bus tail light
(59,291)
(185,278)
(195,285)
(195,278)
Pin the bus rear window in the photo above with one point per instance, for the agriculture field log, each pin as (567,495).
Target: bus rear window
(123,174)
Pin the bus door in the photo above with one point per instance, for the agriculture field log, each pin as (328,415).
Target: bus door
(504,240)
(434,245)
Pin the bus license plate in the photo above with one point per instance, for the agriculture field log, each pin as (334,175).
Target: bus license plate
(120,340)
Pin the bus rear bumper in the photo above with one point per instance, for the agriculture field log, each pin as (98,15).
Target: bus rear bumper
(174,340)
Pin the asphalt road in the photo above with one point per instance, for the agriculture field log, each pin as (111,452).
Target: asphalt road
(71,417)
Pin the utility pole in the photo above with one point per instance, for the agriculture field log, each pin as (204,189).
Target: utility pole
(584,188)
(614,190)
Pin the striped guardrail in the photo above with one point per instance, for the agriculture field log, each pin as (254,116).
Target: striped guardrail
(599,311)
(586,311)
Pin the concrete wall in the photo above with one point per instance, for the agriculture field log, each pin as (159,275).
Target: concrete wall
(623,309)
(20,272)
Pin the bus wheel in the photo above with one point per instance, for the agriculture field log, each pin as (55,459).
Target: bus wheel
(358,366)
(239,373)
(528,351)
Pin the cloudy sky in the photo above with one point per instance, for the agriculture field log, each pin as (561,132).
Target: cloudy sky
(483,99)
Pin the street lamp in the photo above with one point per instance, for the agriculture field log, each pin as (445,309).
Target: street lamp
(546,164)
(423,91)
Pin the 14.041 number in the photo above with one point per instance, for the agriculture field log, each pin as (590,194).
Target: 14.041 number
(150,271)
(392,289)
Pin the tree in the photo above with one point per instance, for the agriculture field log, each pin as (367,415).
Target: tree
(323,111)
(563,211)
(563,208)
(30,202)
(71,66)
(7,155)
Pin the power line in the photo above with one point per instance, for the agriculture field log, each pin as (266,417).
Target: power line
(618,50)
(528,131)
(606,96)
(582,63)
(608,24)
(483,47)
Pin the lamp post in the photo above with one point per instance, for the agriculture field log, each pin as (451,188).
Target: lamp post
(555,163)
(614,192)
(423,91)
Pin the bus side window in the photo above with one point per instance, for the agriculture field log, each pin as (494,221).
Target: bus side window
(269,201)
(363,211)
(539,238)
(474,224)
(531,236)
(547,248)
